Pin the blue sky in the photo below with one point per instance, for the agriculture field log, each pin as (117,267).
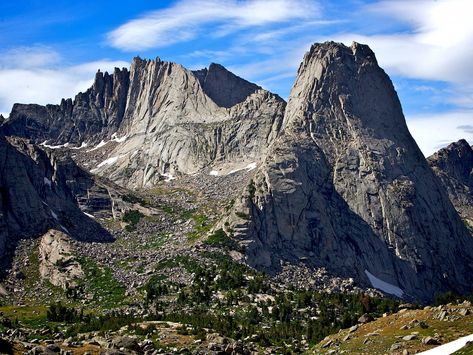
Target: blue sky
(51,49)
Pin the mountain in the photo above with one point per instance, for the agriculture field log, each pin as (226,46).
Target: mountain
(41,191)
(297,219)
(345,187)
(158,119)
(334,180)
(454,166)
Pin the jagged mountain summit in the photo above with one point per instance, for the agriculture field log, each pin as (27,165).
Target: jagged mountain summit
(166,120)
(345,186)
(454,166)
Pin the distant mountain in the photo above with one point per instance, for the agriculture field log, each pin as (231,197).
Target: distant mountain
(454,166)
(345,187)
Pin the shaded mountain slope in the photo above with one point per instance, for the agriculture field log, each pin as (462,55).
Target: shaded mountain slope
(454,166)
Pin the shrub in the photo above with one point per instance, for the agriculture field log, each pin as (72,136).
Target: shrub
(220,238)
(59,313)
(132,217)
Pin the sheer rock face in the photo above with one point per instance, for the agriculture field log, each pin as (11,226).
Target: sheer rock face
(36,195)
(454,166)
(223,87)
(346,187)
(173,126)
(166,119)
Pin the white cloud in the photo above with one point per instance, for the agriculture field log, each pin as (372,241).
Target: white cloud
(42,79)
(438,45)
(436,131)
(184,20)
(29,57)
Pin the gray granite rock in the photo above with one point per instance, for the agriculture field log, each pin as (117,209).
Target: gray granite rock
(35,197)
(454,166)
(166,120)
(346,182)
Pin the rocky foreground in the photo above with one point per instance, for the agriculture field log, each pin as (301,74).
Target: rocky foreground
(408,331)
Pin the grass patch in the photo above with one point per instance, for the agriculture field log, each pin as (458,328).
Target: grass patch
(100,282)
(157,241)
(201,226)
(32,316)
(185,262)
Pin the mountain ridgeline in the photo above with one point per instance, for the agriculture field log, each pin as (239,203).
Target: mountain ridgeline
(170,120)
(339,182)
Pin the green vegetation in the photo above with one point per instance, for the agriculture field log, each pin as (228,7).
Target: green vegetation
(101,284)
(221,239)
(242,215)
(156,241)
(451,297)
(225,287)
(201,226)
(132,217)
(130,198)
(251,189)
(295,315)
(60,313)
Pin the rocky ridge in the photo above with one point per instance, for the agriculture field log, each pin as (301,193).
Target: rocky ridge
(57,260)
(339,187)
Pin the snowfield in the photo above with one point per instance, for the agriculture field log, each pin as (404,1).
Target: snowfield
(384,286)
(449,348)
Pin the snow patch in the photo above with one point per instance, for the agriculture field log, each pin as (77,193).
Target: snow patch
(44,144)
(88,215)
(98,146)
(213,173)
(108,161)
(248,168)
(118,139)
(83,145)
(53,214)
(383,285)
(168,176)
(251,166)
(47,181)
(449,348)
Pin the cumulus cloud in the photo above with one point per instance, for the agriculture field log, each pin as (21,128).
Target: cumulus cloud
(185,20)
(41,78)
(436,131)
(436,46)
